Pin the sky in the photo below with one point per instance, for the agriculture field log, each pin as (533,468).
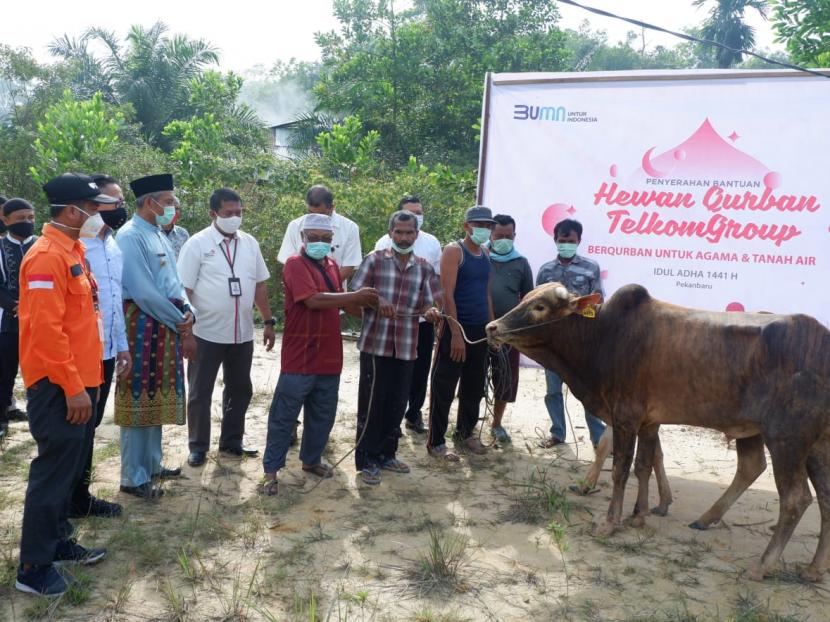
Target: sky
(260,32)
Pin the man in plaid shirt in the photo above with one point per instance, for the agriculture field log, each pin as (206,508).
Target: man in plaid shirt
(407,287)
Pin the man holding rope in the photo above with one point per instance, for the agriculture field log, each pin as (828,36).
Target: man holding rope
(312,352)
(462,346)
(407,287)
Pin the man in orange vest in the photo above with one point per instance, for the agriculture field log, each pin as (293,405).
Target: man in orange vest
(61,337)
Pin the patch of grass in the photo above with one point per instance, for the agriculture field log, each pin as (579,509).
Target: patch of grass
(235,605)
(428,615)
(14,461)
(749,609)
(176,602)
(537,499)
(440,568)
(119,600)
(316,534)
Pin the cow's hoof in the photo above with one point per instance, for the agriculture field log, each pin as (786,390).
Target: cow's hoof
(754,573)
(812,575)
(638,521)
(660,510)
(582,489)
(699,526)
(605,530)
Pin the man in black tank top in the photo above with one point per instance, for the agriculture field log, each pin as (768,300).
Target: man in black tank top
(465,279)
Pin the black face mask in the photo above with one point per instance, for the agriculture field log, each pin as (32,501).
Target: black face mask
(114,218)
(22,229)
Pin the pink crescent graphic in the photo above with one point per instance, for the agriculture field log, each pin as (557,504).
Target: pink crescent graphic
(648,167)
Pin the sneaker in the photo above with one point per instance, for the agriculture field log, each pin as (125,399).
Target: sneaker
(500,434)
(370,474)
(16,414)
(42,580)
(70,552)
(106,509)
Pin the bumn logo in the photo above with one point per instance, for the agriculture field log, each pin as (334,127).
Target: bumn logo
(523,112)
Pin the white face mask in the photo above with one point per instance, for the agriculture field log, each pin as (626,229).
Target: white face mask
(229,225)
(420,219)
(92,225)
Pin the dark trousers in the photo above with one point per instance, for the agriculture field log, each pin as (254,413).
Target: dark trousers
(81,496)
(420,372)
(8,369)
(54,473)
(473,375)
(385,381)
(235,360)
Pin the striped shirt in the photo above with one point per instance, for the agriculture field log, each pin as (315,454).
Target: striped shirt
(409,289)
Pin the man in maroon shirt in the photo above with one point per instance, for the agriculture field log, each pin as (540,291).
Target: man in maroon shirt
(312,352)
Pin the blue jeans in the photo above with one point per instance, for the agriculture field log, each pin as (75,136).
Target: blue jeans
(556,409)
(317,397)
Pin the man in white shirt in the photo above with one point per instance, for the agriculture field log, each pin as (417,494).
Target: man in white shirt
(345,244)
(427,247)
(224,276)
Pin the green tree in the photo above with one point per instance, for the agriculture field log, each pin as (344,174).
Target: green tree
(726,25)
(417,76)
(804,26)
(73,135)
(151,71)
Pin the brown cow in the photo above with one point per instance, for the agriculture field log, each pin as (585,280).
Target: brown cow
(638,363)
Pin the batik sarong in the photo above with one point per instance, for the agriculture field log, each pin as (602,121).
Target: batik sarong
(153,393)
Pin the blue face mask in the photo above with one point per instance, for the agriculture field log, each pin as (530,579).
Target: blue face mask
(502,246)
(566,249)
(403,251)
(480,235)
(167,217)
(317,250)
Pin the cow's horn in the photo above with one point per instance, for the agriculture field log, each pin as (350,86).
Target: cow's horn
(561,292)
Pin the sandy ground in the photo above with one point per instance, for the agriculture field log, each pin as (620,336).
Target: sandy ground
(516,544)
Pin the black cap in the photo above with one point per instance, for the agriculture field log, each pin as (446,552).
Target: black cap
(74,187)
(479,213)
(152,183)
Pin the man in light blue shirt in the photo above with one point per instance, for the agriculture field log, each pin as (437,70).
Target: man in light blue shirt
(159,324)
(105,261)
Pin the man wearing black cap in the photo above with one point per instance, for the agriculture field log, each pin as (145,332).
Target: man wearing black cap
(60,357)
(18,216)
(465,278)
(159,324)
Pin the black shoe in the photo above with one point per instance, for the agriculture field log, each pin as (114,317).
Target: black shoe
(417,425)
(17,414)
(145,491)
(196,458)
(239,451)
(105,509)
(42,580)
(167,473)
(70,552)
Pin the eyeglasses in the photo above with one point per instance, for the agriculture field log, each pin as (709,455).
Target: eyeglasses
(318,238)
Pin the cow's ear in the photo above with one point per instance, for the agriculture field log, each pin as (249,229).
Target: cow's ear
(583,302)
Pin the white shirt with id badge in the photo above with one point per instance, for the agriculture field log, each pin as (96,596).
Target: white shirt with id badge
(223,273)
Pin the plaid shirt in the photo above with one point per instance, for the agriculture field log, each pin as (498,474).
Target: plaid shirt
(410,290)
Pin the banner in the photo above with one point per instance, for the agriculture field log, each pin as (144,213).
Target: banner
(712,190)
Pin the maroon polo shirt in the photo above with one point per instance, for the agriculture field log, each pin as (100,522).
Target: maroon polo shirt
(311,342)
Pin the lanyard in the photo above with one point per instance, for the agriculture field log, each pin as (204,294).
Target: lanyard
(226,253)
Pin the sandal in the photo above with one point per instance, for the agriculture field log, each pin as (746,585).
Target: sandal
(370,474)
(442,452)
(395,465)
(474,446)
(269,487)
(321,470)
(549,442)
(500,435)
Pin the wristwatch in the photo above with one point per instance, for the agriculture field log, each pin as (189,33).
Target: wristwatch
(271,322)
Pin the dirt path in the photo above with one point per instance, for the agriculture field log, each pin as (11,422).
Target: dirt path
(511,542)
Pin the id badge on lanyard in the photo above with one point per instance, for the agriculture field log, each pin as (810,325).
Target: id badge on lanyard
(234,283)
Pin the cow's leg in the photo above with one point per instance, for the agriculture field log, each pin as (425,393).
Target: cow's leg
(663,488)
(624,437)
(647,440)
(751,463)
(789,468)
(606,443)
(818,468)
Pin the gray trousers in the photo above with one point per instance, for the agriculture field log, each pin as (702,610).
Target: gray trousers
(54,473)
(235,360)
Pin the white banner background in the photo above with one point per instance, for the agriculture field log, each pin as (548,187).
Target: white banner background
(767,136)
